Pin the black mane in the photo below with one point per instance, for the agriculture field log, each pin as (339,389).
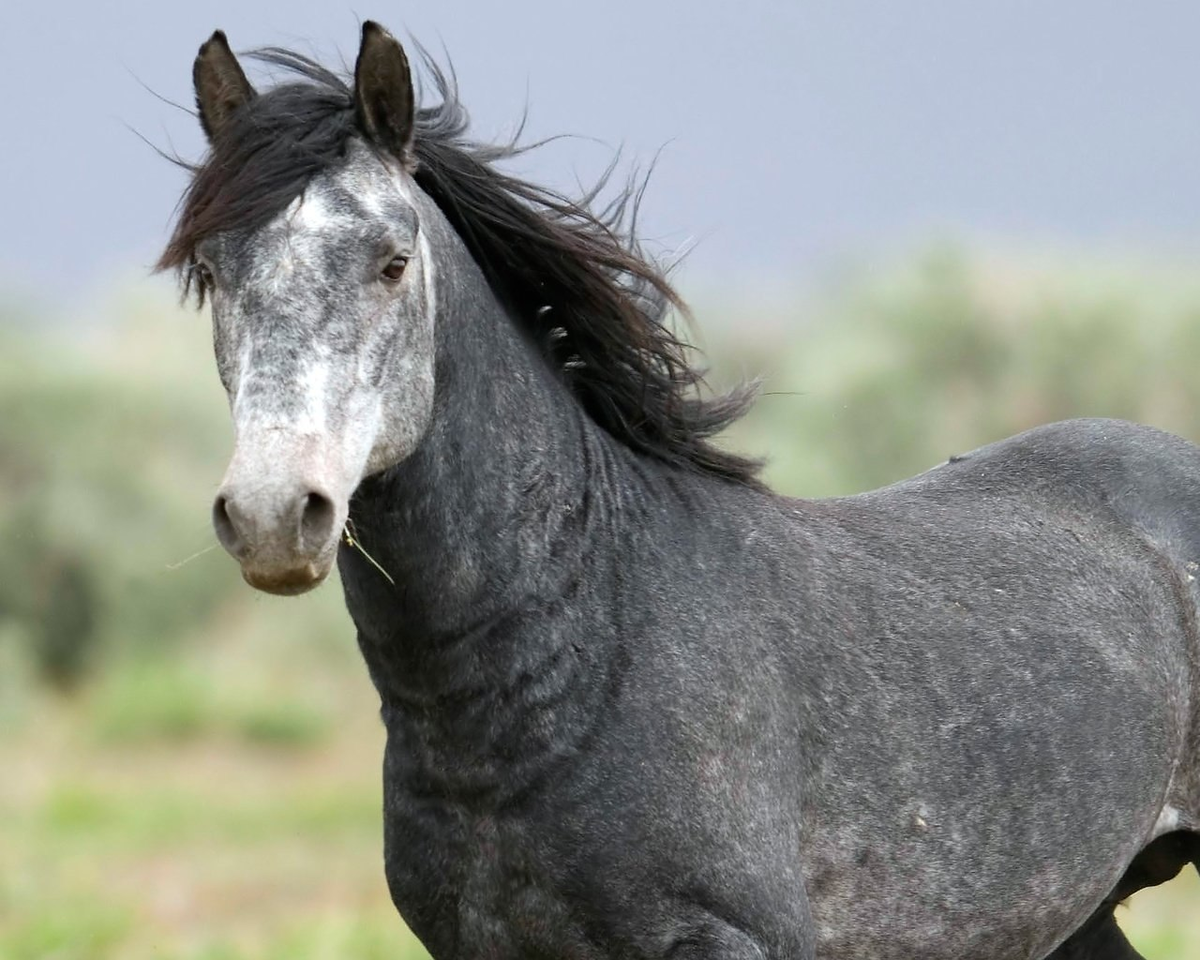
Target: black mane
(573,278)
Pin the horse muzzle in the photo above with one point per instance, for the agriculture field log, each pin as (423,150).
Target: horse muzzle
(285,539)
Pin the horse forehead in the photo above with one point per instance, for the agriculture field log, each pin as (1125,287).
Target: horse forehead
(361,186)
(351,203)
(376,188)
(325,209)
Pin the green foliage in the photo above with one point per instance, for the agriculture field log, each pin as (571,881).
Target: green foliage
(155,701)
(103,463)
(281,725)
(894,373)
(172,700)
(80,930)
(66,631)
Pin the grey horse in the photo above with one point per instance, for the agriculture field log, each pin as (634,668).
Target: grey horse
(638,705)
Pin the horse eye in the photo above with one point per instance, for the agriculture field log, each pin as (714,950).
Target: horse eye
(395,268)
(203,273)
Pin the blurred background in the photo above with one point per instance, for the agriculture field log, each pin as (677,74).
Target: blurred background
(926,226)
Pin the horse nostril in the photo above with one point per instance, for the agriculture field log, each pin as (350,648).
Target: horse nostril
(225,523)
(316,519)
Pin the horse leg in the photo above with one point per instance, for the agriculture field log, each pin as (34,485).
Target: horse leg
(1098,939)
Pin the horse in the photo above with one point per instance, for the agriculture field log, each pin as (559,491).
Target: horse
(637,704)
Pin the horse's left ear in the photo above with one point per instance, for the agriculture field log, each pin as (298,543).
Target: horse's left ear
(383,93)
(221,84)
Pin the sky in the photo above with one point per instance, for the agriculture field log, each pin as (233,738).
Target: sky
(789,135)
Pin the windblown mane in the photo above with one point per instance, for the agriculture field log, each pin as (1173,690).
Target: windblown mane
(574,278)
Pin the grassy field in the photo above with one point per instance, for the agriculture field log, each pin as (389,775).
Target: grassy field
(169,812)
(191,770)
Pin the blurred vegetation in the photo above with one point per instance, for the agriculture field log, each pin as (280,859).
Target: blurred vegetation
(191,768)
(890,374)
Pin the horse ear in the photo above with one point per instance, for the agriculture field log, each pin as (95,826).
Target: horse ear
(383,93)
(221,85)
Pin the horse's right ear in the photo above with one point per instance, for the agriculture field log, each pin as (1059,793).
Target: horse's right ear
(221,85)
(383,93)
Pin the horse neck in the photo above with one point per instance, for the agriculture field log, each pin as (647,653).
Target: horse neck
(487,525)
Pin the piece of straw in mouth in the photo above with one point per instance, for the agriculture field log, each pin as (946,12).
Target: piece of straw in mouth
(351,541)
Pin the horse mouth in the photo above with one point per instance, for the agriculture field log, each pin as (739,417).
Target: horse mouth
(286,583)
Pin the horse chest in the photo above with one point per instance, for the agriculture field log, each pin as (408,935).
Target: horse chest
(474,885)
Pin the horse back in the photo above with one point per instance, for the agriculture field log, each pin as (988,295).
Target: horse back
(1144,478)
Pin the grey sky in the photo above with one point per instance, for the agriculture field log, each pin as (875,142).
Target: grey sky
(795,132)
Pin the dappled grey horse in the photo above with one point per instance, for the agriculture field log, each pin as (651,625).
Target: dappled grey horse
(638,705)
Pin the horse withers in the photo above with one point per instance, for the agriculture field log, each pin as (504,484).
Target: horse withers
(638,705)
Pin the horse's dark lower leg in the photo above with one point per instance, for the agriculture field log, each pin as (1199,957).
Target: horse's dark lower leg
(1099,939)
(1159,862)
